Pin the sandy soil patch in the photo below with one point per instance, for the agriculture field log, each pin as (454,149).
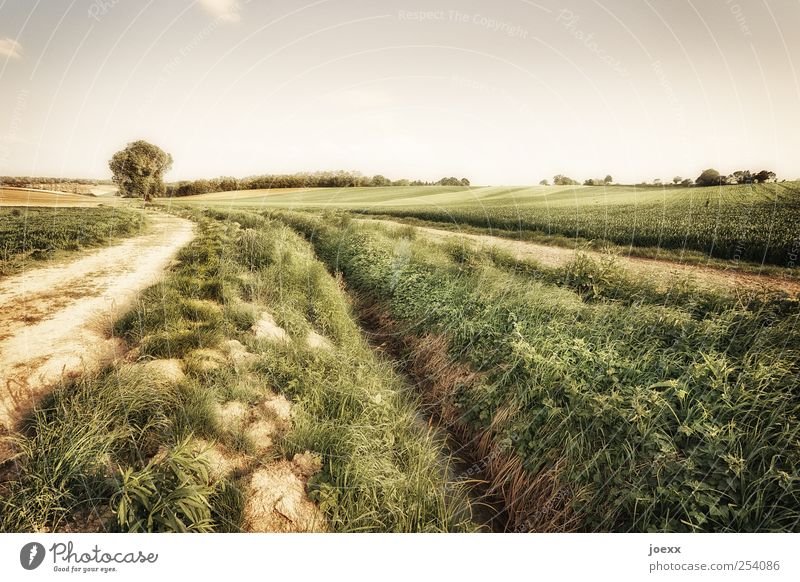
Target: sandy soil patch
(167,371)
(307,464)
(104,190)
(317,341)
(260,433)
(221,461)
(275,490)
(49,331)
(238,353)
(267,328)
(279,409)
(232,415)
(277,501)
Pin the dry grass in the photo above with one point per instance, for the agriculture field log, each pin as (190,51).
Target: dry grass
(531,502)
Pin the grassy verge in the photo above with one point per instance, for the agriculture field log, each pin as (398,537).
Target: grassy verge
(205,419)
(603,278)
(36,234)
(594,411)
(684,255)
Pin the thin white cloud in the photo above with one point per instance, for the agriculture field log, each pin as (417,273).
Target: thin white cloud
(10,48)
(227,10)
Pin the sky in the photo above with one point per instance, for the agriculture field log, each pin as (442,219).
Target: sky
(501,92)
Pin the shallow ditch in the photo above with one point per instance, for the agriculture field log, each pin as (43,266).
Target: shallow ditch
(459,458)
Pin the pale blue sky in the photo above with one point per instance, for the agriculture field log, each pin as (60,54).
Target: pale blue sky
(503,92)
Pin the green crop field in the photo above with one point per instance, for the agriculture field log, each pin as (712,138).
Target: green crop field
(755,223)
(28,234)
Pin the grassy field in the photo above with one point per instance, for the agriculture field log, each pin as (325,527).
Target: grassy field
(192,433)
(597,402)
(589,399)
(33,234)
(756,223)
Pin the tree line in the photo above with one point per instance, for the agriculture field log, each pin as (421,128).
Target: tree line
(709,177)
(340,179)
(562,180)
(712,177)
(67,185)
(39,181)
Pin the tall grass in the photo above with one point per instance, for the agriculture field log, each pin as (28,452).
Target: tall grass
(382,471)
(604,278)
(617,415)
(78,449)
(118,450)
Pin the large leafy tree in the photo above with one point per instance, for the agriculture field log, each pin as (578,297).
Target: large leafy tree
(765,176)
(561,180)
(139,170)
(709,177)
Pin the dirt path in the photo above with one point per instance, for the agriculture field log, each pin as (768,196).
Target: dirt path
(54,320)
(667,272)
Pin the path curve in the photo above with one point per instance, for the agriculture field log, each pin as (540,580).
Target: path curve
(54,320)
(666,272)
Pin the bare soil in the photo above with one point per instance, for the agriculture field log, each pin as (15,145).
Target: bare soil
(275,498)
(267,328)
(54,320)
(275,488)
(25,197)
